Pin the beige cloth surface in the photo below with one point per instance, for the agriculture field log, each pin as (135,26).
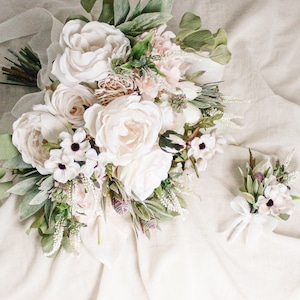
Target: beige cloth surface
(190,259)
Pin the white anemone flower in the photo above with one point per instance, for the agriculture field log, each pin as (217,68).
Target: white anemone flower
(206,146)
(75,145)
(275,201)
(62,166)
(91,162)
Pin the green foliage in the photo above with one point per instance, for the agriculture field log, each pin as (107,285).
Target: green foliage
(77,17)
(16,163)
(107,13)
(191,36)
(26,209)
(7,149)
(143,22)
(24,186)
(88,4)
(121,10)
(25,70)
(4,187)
(143,17)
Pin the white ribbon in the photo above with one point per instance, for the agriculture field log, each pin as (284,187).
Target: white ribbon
(252,225)
(112,232)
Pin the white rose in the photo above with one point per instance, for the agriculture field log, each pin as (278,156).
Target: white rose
(175,120)
(145,174)
(126,128)
(88,49)
(191,114)
(70,103)
(31,131)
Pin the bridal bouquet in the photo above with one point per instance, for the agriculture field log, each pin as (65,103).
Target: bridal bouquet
(266,198)
(127,114)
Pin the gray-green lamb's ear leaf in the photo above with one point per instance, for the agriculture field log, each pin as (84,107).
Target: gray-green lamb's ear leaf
(16,163)
(2,172)
(107,13)
(4,187)
(39,198)
(190,21)
(88,4)
(121,10)
(24,186)
(7,149)
(198,39)
(27,210)
(221,55)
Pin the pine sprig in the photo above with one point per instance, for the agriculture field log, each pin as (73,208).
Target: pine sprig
(25,70)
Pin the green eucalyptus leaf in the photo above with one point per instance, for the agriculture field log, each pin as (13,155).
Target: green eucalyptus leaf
(144,22)
(294,197)
(4,187)
(27,210)
(190,21)
(78,17)
(88,4)
(23,187)
(198,39)
(121,10)
(220,37)
(7,149)
(16,163)
(220,55)
(107,14)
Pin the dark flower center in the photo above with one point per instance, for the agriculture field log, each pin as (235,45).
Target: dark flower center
(75,147)
(202,146)
(270,203)
(61,166)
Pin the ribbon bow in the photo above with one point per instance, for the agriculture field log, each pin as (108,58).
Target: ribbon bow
(252,224)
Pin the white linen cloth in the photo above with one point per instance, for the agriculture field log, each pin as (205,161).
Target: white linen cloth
(191,259)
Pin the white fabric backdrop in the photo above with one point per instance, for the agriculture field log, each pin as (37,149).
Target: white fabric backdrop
(191,259)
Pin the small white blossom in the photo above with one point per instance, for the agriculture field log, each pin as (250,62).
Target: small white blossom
(62,166)
(275,201)
(206,146)
(75,145)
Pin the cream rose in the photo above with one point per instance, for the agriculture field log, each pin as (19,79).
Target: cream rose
(88,49)
(31,131)
(126,128)
(145,174)
(70,102)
